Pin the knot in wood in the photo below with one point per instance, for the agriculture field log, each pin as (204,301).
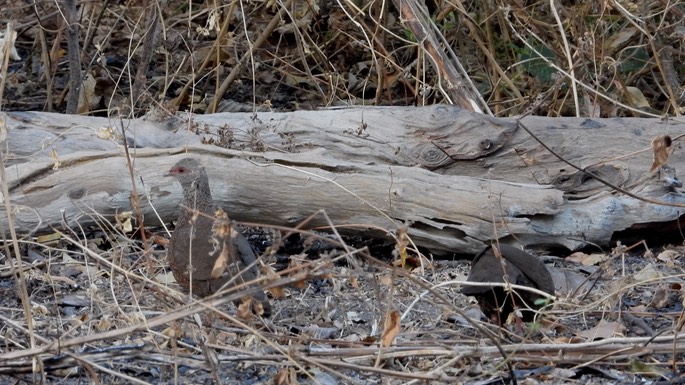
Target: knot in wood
(76,193)
(581,184)
(431,157)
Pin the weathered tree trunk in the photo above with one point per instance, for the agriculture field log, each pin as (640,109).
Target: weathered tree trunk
(457,179)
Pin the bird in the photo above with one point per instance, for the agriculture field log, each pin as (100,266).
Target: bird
(205,250)
(520,268)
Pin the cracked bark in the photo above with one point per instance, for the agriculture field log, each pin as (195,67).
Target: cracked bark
(457,179)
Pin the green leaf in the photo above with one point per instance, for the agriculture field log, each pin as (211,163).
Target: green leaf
(534,63)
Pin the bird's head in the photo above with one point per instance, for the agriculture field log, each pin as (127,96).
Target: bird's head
(187,171)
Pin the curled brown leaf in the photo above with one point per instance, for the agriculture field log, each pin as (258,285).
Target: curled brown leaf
(661,146)
(391,328)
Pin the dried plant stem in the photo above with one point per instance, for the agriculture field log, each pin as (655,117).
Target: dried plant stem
(214,54)
(135,202)
(151,37)
(569,57)
(17,271)
(455,89)
(233,75)
(74,54)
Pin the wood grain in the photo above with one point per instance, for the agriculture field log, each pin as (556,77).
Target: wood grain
(457,179)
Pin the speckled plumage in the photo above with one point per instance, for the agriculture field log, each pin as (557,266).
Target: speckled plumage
(205,239)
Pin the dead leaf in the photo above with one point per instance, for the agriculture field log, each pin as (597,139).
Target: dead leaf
(268,271)
(636,97)
(426,364)
(106,133)
(568,340)
(385,280)
(661,146)
(391,328)
(124,221)
(221,232)
(660,298)
(594,259)
(258,308)
(245,308)
(401,247)
(221,227)
(603,330)
(296,265)
(136,317)
(172,332)
(158,240)
(87,98)
(568,281)
(48,238)
(165,278)
(221,263)
(412,263)
(39,309)
(576,257)
(646,369)
(318,332)
(618,39)
(277,292)
(368,340)
(283,377)
(668,257)
(648,273)
(14,55)
(103,324)
(586,259)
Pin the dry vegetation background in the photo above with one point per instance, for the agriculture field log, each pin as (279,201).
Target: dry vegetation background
(102,308)
(585,58)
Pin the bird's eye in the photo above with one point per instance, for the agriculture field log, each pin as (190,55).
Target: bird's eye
(181,170)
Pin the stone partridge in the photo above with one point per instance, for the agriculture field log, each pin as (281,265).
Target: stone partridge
(521,268)
(206,251)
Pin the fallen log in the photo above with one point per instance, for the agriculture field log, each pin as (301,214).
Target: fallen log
(456,179)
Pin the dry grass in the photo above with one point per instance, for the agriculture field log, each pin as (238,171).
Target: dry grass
(100,314)
(561,58)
